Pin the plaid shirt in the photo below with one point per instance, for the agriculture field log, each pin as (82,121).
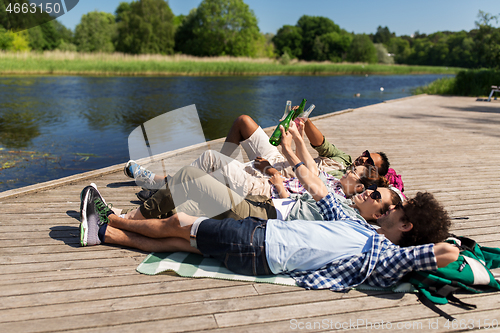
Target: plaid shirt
(383,266)
(293,186)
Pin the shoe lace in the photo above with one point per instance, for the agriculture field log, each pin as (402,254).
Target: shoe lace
(102,210)
(143,174)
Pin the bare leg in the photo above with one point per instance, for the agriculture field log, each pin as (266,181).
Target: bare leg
(156,228)
(243,127)
(165,235)
(147,244)
(313,133)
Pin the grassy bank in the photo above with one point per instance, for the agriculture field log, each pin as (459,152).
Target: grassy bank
(466,83)
(119,64)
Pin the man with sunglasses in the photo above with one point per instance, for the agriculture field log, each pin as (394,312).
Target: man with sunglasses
(328,150)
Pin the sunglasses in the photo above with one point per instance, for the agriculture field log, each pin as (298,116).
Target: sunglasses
(364,159)
(375,195)
(369,159)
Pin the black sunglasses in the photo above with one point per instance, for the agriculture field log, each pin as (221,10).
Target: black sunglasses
(375,195)
(369,160)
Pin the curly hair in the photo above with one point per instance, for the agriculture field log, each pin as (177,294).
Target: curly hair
(429,218)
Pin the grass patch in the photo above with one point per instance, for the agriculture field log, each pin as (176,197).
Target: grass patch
(72,63)
(466,83)
(443,86)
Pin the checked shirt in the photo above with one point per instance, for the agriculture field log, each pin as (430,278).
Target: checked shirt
(382,266)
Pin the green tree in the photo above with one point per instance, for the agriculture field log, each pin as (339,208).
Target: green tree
(332,46)
(219,27)
(383,35)
(362,50)
(288,39)
(400,47)
(264,46)
(461,47)
(95,32)
(6,39)
(487,41)
(312,27)
(439,52)
(11,41)
(48,36)
(145,27)
(63,33)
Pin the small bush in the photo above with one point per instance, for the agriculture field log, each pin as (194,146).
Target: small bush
(285,59)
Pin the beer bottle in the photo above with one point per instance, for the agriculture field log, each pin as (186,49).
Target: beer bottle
(275,138)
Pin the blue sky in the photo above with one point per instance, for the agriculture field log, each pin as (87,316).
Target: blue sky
(358,16)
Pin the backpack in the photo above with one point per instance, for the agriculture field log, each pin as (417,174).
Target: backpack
(470,273)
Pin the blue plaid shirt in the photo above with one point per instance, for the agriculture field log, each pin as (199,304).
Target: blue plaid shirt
(383,266)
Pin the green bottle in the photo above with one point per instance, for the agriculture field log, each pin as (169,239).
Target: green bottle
(275,138)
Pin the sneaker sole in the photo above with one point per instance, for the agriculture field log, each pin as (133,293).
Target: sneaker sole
(84,222)
(83,214)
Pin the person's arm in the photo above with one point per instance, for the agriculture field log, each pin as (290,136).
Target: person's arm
(301,149)
(277,181)
(311,182)
(445,253)
(313,133)
(264,166)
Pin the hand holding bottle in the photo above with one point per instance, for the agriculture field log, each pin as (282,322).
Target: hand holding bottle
(275,138)
(304,115)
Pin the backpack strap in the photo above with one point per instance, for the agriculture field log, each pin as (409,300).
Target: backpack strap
(463,243)
(428,303)
(461,304)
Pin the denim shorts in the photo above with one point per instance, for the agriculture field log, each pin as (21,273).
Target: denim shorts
(239,244)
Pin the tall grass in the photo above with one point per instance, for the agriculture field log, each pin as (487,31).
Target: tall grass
(122,64)
(465,83)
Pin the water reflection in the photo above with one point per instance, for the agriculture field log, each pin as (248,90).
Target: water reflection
(76,124)
(18,128)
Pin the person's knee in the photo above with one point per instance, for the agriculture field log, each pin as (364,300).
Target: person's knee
(244,119)
(171,223)
(246,125)
(187,174)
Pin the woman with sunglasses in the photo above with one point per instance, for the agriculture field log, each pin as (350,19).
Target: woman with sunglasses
(371,204)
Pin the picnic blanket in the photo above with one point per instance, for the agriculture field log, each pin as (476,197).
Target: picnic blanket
(196,266)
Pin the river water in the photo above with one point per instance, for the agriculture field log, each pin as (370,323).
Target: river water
(57,126)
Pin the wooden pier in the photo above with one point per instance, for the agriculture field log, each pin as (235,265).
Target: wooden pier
(449,146)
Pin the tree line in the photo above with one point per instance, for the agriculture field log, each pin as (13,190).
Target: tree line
(229,27)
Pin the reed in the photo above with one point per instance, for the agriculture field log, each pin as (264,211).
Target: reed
(72,63)
(443,86)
